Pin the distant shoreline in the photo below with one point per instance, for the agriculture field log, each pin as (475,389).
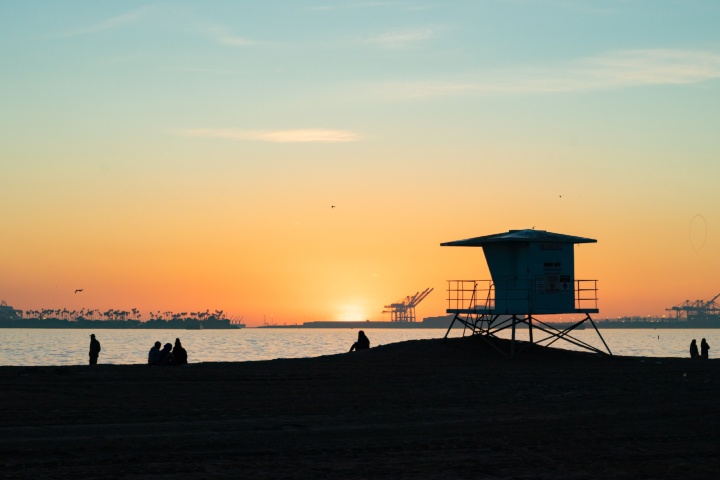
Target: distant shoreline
(369,324)
(120,324)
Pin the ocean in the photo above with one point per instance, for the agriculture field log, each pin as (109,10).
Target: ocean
(37,347)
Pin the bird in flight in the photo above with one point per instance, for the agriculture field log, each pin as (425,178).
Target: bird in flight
(332,206)
(78,290)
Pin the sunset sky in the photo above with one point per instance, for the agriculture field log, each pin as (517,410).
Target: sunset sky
(180,155)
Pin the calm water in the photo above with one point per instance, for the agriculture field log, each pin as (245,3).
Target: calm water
(69,347)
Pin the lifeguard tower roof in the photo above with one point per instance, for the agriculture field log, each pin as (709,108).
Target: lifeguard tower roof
(527,235)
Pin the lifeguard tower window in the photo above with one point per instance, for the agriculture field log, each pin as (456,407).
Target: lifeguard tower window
(532,273)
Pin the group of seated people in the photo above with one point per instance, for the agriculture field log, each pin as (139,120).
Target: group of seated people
(168,355)
(177,355)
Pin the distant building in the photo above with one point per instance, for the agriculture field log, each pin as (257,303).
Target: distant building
(7,312)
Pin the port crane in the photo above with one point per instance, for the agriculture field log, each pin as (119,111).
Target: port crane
(698,308)
(404,309)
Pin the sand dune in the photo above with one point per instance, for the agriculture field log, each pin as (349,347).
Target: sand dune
(421,409)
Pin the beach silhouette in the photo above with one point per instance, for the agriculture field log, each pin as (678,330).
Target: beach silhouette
(443,408)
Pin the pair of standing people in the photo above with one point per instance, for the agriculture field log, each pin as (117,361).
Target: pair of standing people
(704,353)
(169,355)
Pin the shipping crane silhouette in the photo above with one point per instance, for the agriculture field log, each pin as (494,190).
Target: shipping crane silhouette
(404,310)
(696,309)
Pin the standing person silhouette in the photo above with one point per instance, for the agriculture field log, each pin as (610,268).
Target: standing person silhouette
(94,350)
(694,350)
(363,342)
(704,347)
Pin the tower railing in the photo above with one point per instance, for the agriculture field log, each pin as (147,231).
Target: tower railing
(479,295)
(470,294)
(586,295)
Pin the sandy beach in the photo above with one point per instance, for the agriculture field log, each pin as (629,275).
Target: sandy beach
(447,408)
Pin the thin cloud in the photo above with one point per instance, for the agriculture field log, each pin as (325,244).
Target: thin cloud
(224,37)
(355,5)
(621,69)
(644,67)
(112,23)
(276,136)
(203,70)
(402,38)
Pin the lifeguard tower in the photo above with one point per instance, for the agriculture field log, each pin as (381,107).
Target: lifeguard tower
(532,273)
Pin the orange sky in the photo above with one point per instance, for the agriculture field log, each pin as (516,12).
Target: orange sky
(180,157)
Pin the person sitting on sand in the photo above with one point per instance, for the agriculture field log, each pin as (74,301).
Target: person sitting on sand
(165,356)
(694,350)
(179,354)
(154,354)
(704,347)
(363,343)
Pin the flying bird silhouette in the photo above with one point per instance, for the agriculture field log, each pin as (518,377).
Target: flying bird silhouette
(332,206)
(78,290)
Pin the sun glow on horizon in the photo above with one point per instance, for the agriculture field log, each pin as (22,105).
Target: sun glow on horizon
(351,313)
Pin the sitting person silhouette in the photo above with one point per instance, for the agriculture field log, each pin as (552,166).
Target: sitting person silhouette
(154,354)
(179,354)
(165,356)
(363,343)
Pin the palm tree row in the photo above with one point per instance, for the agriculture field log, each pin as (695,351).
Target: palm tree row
(121,315)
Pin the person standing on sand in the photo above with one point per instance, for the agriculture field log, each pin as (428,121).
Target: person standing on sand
(94,350)
(154,354)
(363,342)
(694,350)
(179,354)
(704,347)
